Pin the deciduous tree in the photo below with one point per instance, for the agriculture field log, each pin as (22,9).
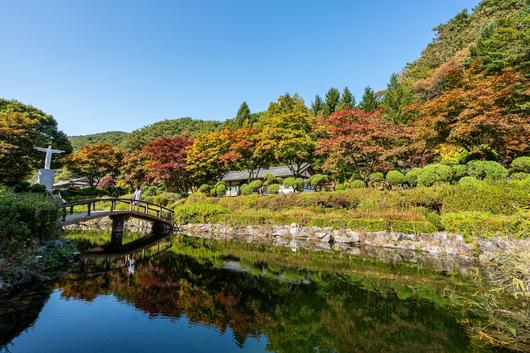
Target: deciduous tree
(95,162)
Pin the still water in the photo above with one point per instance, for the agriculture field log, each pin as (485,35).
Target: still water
(186,295)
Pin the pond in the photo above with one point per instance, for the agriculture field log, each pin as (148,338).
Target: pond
(179,294)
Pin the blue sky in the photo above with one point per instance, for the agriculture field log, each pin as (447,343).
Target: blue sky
(119,65)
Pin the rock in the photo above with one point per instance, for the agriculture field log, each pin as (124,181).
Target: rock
(326,239)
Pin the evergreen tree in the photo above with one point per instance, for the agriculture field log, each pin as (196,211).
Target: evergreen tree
(317,106)
(332,100)
(347,101)
(243,116)
(397,98)
(369,102)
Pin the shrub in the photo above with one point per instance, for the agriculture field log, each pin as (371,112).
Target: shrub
(341,187)
(395,178)
(467,180)
(150,190)
(273,189)
(255,185)
(434,174)
(521,164)
(520,176)
(204,188)
(37,188)
(317,181)
(220,189)
(197,213)
(412,176)
(269,179)
(376,178)
(485,224)
(489,170)
(246,189)
(356,184)
(459,171)
(22,186)
(297,184)
(197,197)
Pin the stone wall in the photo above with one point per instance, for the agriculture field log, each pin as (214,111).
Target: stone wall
(133,225)
(440,250)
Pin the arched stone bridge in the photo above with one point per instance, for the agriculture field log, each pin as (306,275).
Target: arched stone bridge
(117,209)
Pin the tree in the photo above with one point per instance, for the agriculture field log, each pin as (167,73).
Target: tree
(356,141)
(347,100)
(332,100)
(167,162)
(317,107)
(134,170)
(243,117)
(286,137)
(369,101)
(395,101)
(205,161)
(95,162)
(46,134)
(486,115)
(18,132)
(242,154)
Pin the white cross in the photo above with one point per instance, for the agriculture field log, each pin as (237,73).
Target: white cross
(49,152)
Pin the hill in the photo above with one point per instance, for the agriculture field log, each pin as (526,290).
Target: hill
(115,138)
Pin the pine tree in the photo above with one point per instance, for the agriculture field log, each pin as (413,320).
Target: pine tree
(242,117)
(397,98)
(347,100)
(369,102)
(332,100)
(317,106)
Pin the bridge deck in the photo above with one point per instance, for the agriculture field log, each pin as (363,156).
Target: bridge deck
(82,217)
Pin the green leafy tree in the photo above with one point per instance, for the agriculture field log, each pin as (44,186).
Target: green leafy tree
(347,100)
(332,101)
(369,101)
(395,101)
(243,117)
(317,106)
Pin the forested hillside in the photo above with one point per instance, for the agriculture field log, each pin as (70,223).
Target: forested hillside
(114,138)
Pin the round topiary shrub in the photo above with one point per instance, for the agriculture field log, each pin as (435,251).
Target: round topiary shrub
(356,184)
(273,189)
(340,187)
(459,171)
(246,189)
(220,189)
(204,188)
(521,164)
(488,170)
(434,174)
(467,180)
(376,179)
(297,184)
(520,176)
(317,181)
(395,178)
(411,177)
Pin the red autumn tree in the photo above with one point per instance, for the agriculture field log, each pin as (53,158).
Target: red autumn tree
(355,141)
(483,114)
(167,162)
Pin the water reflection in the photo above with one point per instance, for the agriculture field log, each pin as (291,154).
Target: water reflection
(261,301)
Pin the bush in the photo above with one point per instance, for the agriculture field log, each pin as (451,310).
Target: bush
(521,164)
(434,174)
(341,187)
(273,189)
(255,185)
(297,184)
(204,188)
(220,189)
(22,186)
(485,224)
(150,190)
(520,176)
(246,189)
(376,178)
(489,170)
(412,176)
(197,213)
(317,181)
(37,188)
(356,184)
(269,179)
(459,171)
(395,178)
(467,180)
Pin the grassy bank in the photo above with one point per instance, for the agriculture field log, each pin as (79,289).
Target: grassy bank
(27,251)
(473,208)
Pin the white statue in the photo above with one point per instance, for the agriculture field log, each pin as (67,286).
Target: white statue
(46,175)
(49,152)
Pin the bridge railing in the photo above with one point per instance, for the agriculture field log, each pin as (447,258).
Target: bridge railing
(113,204)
